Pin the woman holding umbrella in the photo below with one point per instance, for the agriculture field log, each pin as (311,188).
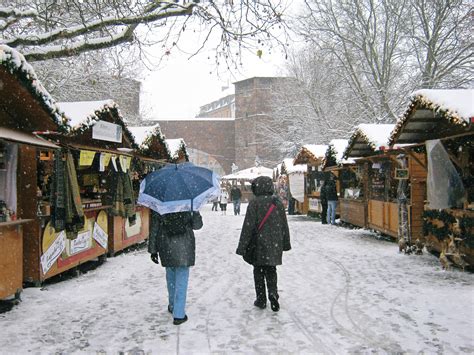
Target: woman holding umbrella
(172,237)
(174,194)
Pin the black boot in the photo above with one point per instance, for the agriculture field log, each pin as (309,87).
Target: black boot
(260,304)
(274,303)
(178,321)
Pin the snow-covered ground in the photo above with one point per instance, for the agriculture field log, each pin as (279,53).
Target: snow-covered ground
(341,291)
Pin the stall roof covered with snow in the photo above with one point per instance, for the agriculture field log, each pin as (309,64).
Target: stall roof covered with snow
(151,142)
(177,149)
(367,139)
(86,117)
(311,154)
(433,114)
(287,167)
(335,153)
(249,174)
(23,96)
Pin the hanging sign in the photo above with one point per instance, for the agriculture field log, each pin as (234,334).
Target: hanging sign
(100,235)
(104,161)
(107,131)
(86,158)
(50,256)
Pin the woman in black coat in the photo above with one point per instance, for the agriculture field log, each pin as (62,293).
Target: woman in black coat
(272,240)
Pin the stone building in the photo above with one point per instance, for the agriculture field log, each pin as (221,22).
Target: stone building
(229,130)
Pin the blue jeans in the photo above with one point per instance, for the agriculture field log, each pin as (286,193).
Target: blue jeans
(177,282)
(331,213)
(236,206)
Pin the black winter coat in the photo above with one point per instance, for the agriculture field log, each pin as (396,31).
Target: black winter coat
(274,237)
(174,250)
(330,190)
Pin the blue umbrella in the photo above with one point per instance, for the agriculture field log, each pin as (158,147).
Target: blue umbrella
(178,188)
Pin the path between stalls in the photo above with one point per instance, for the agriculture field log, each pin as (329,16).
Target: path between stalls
(341,291)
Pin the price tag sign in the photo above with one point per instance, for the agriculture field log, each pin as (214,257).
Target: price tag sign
(100,236)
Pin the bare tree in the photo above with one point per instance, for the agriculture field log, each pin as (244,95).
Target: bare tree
(363,37)
(439,35)
(46,29)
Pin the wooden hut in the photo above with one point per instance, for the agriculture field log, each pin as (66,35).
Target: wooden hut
(25,108)
(312,155)
(446,222)
(243,179)
(153,144)
(375,202)
(295,174)
(352,206)
(99,133)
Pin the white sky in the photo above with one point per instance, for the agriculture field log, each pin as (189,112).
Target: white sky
(182,85)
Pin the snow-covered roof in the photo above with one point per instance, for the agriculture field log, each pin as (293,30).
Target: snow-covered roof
(291,168)
(140,133)
(196,119)
(81,112)
(175,146)
(457,102)
(16,64)
(435,114)
(368,138)
(340,146)
(311,153)
(250,173)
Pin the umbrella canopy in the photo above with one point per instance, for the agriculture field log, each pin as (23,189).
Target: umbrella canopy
(178,188)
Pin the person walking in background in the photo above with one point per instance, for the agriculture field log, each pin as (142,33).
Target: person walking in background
(236,195)
(331,196)
(324,203)
(172,237)
(265,214)
(215,203)
(223,200)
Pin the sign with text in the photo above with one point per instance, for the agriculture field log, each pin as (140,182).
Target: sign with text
(81,243)
(106,131)
(52,253)
(100,236)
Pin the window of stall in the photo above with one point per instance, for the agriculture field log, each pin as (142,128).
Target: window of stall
(8,180)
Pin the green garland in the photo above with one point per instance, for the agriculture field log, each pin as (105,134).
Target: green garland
(441,233)
(467,226)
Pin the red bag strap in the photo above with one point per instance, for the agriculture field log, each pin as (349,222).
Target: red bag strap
(272,207)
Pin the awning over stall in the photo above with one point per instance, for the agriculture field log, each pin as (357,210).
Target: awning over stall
(26,138)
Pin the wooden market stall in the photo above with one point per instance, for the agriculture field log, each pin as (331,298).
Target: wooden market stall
(373,202)
(287,171)
(438,126)
(108,165)
(350,183)
(312,155)
(243,179)
(25,107)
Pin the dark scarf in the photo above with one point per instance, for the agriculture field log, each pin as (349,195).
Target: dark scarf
(66,213)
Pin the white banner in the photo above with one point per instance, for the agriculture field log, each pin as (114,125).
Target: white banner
(297,186)
(81,243)
(52,254)
(100,236)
